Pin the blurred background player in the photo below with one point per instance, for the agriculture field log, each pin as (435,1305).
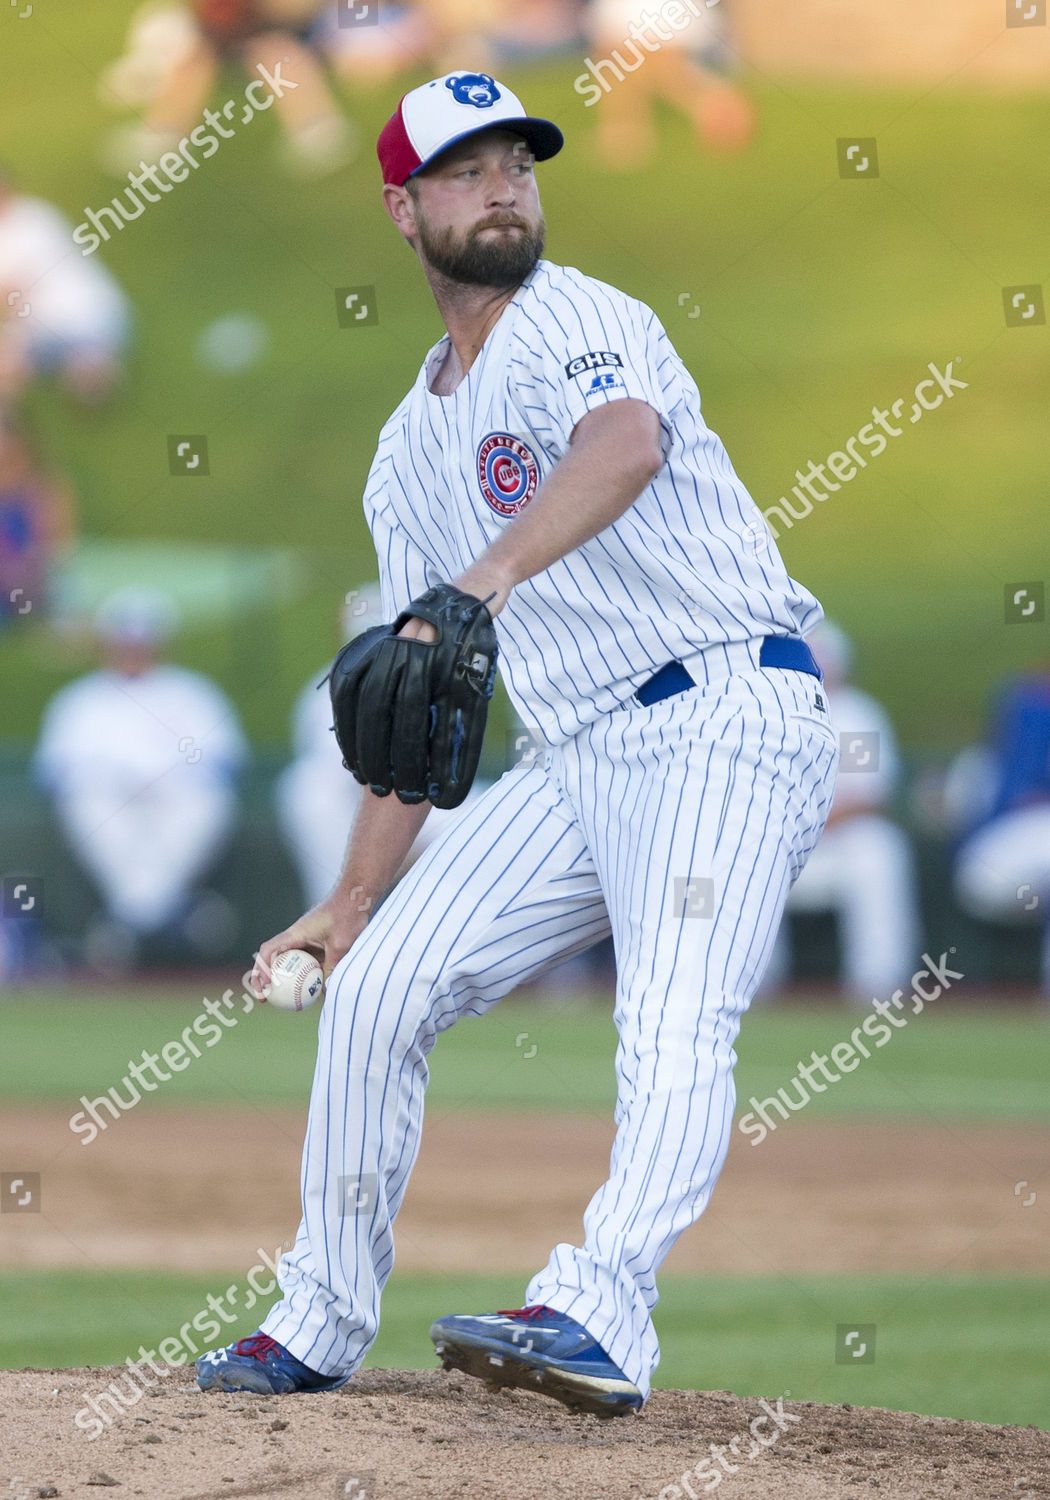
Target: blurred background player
(436,35)
(640,62)
(61,313)
(141,760)
(487,31)
(174,58)
(316,797)
(862,869)
(402,38)
(36,526)
(1001,794)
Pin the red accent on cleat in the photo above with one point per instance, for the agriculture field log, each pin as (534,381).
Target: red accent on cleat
(258,1346)
(526,1314)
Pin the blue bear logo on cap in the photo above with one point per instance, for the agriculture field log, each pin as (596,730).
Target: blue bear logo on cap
(478,89)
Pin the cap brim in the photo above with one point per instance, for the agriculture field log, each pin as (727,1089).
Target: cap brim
(543,136)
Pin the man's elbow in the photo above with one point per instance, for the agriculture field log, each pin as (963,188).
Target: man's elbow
(643,434)
(642,460)
(651,461)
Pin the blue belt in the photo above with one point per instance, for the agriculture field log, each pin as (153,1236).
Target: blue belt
(788,651)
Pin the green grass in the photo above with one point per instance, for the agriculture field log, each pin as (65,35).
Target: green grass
(967,1347)
(960,1064)
(954,1346)
(817,297)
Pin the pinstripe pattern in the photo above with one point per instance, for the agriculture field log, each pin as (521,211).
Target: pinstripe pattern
(723,789)
(730,783)
(677,572)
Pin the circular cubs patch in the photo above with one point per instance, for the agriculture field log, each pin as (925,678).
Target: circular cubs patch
(507,472)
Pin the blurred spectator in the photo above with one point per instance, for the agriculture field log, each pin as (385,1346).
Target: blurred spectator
(404,37)
(60,314)
(640,62)
(316,796)
(544,28)
(862,869)
(174,58)
(36,525)
(480,33)
(463,31)
(1002,869)
(440,36)
(161,34)
(141,759)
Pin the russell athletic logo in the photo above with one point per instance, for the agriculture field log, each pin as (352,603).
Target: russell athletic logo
(478,89)
(507,472)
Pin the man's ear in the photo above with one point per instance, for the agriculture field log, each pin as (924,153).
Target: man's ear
(399,205)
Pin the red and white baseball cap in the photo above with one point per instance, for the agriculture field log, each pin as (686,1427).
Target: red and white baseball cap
(448,109)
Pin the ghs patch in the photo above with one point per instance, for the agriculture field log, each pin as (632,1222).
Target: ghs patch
(592,360)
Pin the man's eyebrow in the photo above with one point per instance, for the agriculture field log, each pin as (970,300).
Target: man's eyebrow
(518,151)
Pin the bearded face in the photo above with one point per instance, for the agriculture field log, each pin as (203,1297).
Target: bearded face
(498,252)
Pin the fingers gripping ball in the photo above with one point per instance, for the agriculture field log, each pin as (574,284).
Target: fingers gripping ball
(409,715)
(296,981)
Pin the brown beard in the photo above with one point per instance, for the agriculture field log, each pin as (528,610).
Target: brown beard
(495,261)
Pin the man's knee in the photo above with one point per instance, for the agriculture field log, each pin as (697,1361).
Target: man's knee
(387,987)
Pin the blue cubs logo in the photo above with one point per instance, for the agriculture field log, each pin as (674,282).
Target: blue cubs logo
(478,89)
(507,472)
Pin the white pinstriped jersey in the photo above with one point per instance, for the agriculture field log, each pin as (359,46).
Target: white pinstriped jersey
(690,564)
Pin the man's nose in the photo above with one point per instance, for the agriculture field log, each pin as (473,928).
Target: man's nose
(500,189)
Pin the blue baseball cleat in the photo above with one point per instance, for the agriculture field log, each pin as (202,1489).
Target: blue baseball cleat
(262,1365)
(537,1349)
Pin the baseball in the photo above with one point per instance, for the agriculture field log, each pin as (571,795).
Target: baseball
(296,981)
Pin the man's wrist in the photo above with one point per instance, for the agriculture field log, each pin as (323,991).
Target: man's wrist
(492,584)
(354,897)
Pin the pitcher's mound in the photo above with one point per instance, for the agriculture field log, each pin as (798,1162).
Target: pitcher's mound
(427,1434)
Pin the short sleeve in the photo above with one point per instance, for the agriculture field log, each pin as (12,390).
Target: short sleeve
(592,345)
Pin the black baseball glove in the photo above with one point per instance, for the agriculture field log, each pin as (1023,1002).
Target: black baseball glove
(409,715)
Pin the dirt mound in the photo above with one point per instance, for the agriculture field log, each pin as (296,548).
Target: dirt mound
(433,1435)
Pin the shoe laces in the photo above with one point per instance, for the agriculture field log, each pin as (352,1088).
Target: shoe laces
(526,1314)
(257,1346)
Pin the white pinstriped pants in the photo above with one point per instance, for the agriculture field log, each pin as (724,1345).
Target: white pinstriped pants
(679,827)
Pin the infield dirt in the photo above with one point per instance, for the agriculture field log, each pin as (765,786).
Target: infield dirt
(433,1435)
(193,1189)
(205,1190)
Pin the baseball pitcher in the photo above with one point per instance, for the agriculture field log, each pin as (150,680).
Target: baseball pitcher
(547,496)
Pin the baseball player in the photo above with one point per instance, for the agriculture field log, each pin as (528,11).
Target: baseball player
(863,869)
(60,314)
(550,470)
(1002,865)
(142,760)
